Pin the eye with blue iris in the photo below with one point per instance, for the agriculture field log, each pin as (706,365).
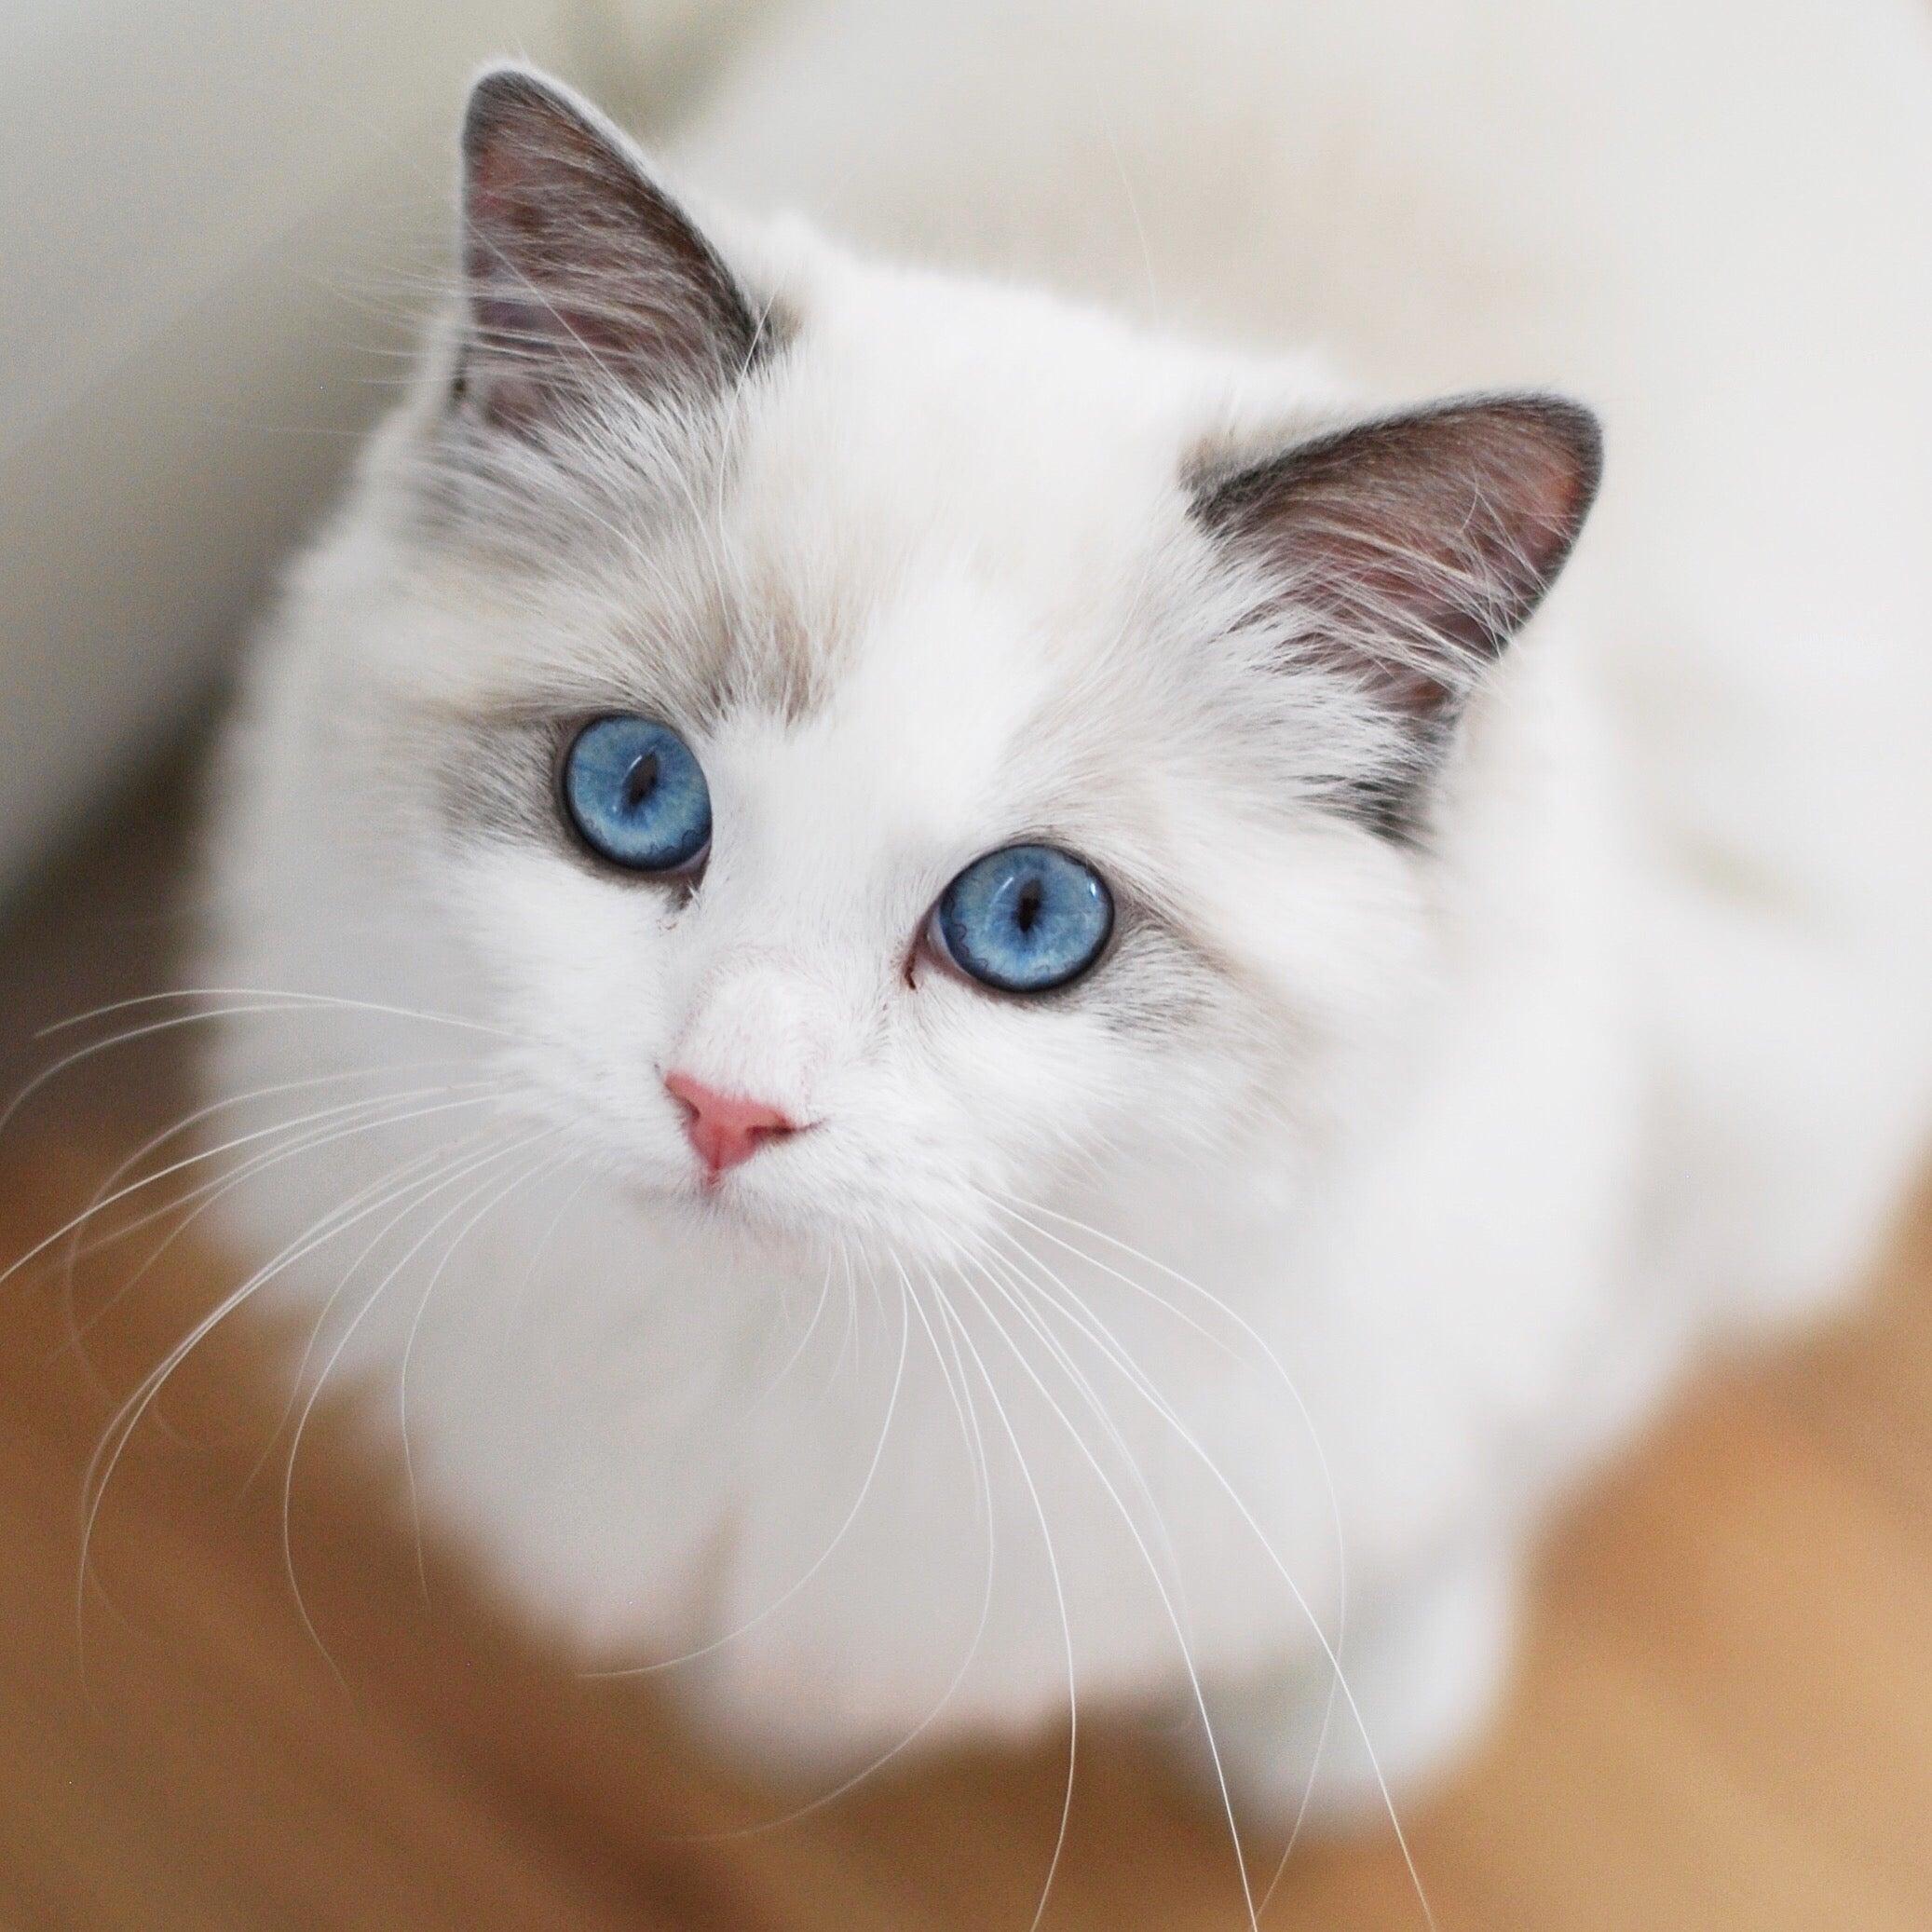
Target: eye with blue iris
(635,792)
(1024,919)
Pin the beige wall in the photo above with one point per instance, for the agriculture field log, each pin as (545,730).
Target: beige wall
(214,219)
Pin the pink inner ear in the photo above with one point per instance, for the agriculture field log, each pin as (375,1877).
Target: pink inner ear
(1417,546)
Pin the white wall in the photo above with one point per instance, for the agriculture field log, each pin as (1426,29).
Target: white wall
(213,222)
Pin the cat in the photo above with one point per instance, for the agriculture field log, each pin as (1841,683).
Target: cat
(984,1016)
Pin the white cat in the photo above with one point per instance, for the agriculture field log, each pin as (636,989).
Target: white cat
(1024,1037)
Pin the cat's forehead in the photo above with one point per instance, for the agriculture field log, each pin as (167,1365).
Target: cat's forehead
(938,533)
(948,724)
(911,409)
(944,507)
(929,686)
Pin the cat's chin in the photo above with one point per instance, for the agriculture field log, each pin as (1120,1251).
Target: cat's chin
(777,1228)
(731,1214)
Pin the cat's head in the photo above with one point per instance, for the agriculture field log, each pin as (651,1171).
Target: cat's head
(890,742)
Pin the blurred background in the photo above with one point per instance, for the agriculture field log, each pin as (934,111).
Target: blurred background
(215,226)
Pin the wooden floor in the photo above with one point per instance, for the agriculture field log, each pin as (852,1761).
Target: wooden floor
(1722,1723)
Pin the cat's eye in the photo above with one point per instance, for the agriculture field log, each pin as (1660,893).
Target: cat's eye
(1024,919)
(635,792)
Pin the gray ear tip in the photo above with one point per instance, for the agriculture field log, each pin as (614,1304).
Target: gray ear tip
(1583,426)
(1585,429)
(1578,429)
(1589,450)
(506,91)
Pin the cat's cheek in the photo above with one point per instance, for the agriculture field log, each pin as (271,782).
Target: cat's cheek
(575,967)
(1012,1079)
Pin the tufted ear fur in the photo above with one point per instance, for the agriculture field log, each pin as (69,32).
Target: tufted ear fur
(579,268)
(1411,549)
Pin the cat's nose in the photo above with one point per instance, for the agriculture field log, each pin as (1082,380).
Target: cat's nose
(724,1128)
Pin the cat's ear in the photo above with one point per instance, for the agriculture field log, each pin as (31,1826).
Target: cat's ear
(579,269)
(1408,551)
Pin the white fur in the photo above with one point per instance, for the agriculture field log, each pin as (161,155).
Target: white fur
(1473,1146)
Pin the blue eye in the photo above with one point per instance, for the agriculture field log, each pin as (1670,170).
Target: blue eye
(1025,919)
(637,796)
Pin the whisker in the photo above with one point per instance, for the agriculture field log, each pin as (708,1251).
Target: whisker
(193,1160)
(120,1430)
(958,1677)
(1065,1819)
(192,1119)
(778,1382)
(212,1192)
(296,996)
(852,1314)
(390,1187)
(948,1319)
(1330,1649)
(1017,1291)
(1084,1319)
(938,1355)
(520,1298)
(490,1205)
(481,1162)
(824,1557)
(1093,1462)
(127,1037)
(1122,1360)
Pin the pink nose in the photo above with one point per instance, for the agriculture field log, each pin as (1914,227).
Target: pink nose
(724,1128)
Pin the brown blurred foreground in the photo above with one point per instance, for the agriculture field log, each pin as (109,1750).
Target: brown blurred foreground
(1723,1721)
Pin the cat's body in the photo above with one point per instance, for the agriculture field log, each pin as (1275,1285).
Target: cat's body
(1474,1115)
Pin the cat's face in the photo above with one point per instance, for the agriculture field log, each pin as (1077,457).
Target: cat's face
(887,745)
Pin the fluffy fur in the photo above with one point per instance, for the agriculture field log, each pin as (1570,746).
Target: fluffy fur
(1503,1005)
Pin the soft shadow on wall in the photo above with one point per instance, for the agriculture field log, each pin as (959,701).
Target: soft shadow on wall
(218,224)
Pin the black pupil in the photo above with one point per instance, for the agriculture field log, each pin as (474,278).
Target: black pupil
(1026,912)
(641,780)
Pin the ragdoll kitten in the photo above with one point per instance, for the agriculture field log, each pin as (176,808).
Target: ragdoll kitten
(1000,1016)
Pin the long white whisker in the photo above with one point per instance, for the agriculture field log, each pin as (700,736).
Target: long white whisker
(824,1557)
(1132,1528)
(415,1180)
(335,1003)
(100,1468)
(851,1314)
(127,1037)
(973,1648)
(1086,1322)
(1329,1649)
(199,1159)
(210,1193)
(1018,1290)
(811,1327)
(491,1204)
(939,1358)
(1058,1583)
(481,1162)
(1247,1329)
(181,1125)
(519,1299)
(949,1318)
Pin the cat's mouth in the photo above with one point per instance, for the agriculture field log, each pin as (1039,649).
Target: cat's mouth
(730,1203)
